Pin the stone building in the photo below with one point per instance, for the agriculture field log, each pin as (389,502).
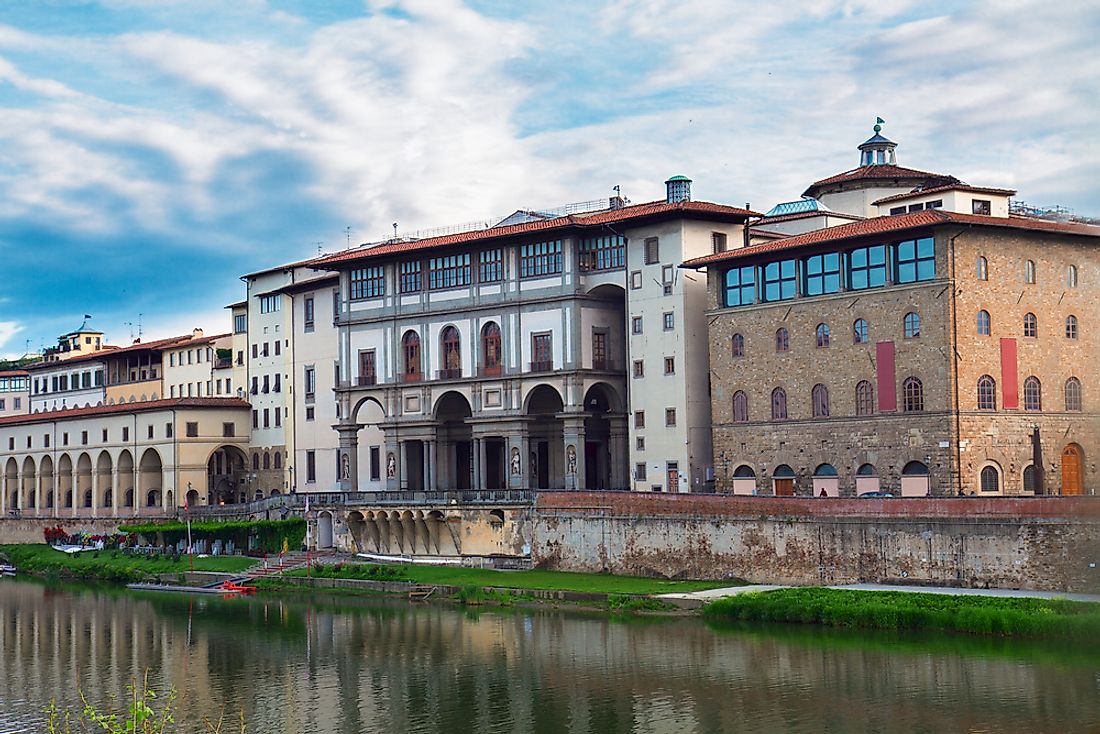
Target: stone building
(555,349)
(942,345)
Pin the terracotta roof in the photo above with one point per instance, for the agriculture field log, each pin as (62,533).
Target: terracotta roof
(700,209)
(142,407)
(945,187)
(304,285)
(881,170)
(238,304)
(277,268)
(898,223)
(13,373)
(111,351)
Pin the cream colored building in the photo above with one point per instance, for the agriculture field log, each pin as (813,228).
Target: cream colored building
(141,458)
(15,394)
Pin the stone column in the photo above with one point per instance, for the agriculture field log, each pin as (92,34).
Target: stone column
(620,454)
(475,451)
(348,478)
(116,500)
(573,436)
(403,464)
(73,488)
(433,473)
(391,469)
(517,457)
(95,491)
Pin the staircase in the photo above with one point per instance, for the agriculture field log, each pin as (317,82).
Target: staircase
(276,565)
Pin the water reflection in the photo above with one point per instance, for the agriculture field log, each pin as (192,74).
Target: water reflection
(334,665)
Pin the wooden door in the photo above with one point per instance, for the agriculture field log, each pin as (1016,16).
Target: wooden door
(1073,479)
(784,487)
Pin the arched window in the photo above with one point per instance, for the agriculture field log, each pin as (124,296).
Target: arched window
(912,391)
(990,479)
(740,407)
(744,472)
(1071,276)
(1033,394)
(865,398)
(255,461)
(912,325)
(1071,327)
(490,349)
(782,340)
(779,404)
(1031,325)
(822,336)
(278,460)
(987,393)
(738,345)
(860,332)
(866,470)
(820,396)
(1029,271)
(983,323)
(983,268)
(1031,478)
(452,354)
(914,469)
(410,351)
(1073,394)
(267,460)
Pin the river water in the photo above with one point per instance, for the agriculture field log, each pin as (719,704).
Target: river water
(301,664)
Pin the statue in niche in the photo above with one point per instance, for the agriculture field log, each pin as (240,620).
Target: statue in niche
(571,458)
(345,467)
(391,466)
(515,462)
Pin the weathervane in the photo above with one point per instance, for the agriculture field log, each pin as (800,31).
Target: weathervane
(879,122)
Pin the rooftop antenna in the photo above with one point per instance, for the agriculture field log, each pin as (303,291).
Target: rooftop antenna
(395,231)
(347,231)
(319,251)
(617,189)
(139,324)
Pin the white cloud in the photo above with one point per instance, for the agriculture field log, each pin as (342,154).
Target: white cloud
(9,329)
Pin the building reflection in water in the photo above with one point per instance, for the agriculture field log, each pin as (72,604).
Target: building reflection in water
(338,666)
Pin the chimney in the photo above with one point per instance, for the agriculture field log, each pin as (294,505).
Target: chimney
(678,189)
(616,202)
(196,333)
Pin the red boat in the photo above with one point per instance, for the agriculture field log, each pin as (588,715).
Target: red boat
(237,588)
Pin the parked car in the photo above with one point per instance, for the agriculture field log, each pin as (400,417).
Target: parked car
(877,494)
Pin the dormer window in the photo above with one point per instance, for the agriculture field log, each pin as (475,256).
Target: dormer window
(982,206)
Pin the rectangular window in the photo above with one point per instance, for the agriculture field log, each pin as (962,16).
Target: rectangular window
(278,384)
(670,365)
(896,210)
(669,321)
(639,471)
(652,251)
(104,435)
(599,350)
(192,429)
(46,438)
(368,283)
(602,253)
(267,384)
(718,241)
(310,383)
(409,280)
(937,204)
(84,438)
(490,266)
(635,280)
(670,417)
(267,418)
(336,305)
(540,258)
(229,430)
(639,368)
(916,208)
(779,281)
(639,443)
(368,374)
(451,271)
(542,350)
(270,304)
(255,419)
(981,206)
(255,351)
(740,286)
(278,348)
(240,323)
(375,463)
(867,267)
(310,413)
(635,324)
(311,466)
(278,417)
(639,419)
(308,308)
(821,274)
(915,260)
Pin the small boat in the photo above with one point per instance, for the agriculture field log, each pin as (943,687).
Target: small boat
(232,589)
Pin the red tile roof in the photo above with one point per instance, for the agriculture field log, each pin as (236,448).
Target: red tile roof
(899,223)
(945,187)
(881,171)
(142,407)
(701,209)
(13,373)
(111,351)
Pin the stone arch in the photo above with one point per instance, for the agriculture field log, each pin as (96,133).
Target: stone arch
(603,408)
(226,476)
(150,478)
(11,483)
(990,478)
(826,481)
(357,526)
(783,481)
(324,529)
(867,479)
(1073,470)
(46,482)
(126,477)
(454,442)
(104,468)
(546,437)
(744,480)
(65,496)
(29,481)
(83,488)
(915,480)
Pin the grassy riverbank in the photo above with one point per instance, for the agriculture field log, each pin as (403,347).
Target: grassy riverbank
(599,583)
(902,610)
(112,565)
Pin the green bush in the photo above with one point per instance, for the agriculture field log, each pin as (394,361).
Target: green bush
(270,534)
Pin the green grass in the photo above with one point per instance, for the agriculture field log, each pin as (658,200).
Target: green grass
(112,565)
(601,583)
(902,610)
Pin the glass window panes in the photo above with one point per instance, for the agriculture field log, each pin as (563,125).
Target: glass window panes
(867,267)
(604,253)
(983,323)
(779,280)
(740,286)
(490,266)
(368,283)
(1073,394)
(449,272)
(410,276)
(860,332)
(912,325)
(540,258)
(1071,327)
(821,274)
(915,260)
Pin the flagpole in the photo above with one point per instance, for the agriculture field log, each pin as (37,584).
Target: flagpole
(190,545)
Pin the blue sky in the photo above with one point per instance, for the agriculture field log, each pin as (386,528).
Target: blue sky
(152,151)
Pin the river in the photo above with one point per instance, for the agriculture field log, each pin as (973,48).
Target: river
(334,664)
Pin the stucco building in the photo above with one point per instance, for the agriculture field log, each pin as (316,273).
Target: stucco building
(553,350)
(938,345)
(15,392)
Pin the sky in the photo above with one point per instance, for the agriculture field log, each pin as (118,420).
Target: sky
(153,151)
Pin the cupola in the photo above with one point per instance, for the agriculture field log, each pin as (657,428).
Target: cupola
(678,188)
(877,150)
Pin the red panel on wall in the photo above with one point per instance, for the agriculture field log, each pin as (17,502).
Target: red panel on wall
(886,377)
(1010,384)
